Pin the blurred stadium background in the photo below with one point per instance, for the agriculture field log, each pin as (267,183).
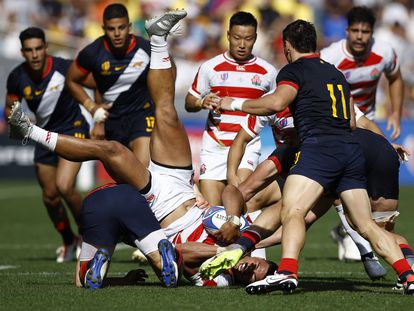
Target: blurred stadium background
(71,24)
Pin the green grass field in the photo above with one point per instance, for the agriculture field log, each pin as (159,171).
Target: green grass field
(30,277)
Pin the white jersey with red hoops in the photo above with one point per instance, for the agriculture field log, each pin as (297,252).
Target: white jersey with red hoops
(279,122)
(363,76)
(223,75)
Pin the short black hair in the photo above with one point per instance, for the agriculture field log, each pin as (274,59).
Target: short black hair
(32,32)
(361,14)
(243,19)
(301,35)
(115,10)
(272,268)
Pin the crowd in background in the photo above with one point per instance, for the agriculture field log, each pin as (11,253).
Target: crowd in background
(71,24)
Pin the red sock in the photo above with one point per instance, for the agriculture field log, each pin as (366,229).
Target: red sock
(402,268)
(289,265)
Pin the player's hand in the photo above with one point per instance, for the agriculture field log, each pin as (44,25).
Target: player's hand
(211,101)
(402,152)
(228,232)
(225,103)
(394,123)
(100,112)
(137,276)
(201,202)
(98,131)
(233,179)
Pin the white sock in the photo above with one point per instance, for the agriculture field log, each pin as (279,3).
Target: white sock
(149,244)
(45,138)
(363,245)
(160,58)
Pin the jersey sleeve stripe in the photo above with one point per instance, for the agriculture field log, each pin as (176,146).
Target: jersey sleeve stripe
(276,162)
(292,84)
(13,96)
(237,92)
(83,70)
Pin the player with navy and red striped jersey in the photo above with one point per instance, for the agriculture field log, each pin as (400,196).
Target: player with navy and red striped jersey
(40,82)
(119,62)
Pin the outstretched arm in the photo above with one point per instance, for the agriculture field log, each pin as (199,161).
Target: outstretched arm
(269,104)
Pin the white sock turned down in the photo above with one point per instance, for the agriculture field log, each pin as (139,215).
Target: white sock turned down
(160,58)
(45,138)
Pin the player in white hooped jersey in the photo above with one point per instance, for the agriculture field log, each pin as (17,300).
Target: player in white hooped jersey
(239,74)
(362,59)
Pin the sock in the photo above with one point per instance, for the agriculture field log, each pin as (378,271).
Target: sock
(63,227)
(160,59)
(402,268)
(248,240)
(288,266)
(363,245)
(406,250)
(45,138)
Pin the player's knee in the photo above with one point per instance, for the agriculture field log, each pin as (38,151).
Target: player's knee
(51,197)
(167,115)
(65,187)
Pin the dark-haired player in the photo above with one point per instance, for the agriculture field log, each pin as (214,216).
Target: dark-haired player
(119,62)
(329,160)
(40,82)
(363,59)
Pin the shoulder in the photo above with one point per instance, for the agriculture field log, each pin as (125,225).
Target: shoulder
(269,68)
(382,48)
(94,46)
(333,51)
(16,71)
(143,44)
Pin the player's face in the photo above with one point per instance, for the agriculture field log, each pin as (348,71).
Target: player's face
(34,52)
(117,31)
(241,41)
(250,269)
(358,37)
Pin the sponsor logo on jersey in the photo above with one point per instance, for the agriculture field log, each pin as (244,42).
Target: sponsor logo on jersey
(150,198)
(375,73)
(137,64)
(105,68)
(118,68)
(77,123)
(54,88)
(256,80)
(203,169)
(27,92)
(250,162)
(37,93)
(283,122)
(224,76)
(240,68)
(347,75)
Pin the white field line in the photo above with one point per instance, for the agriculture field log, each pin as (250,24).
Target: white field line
(7,267)
(17,246)
(7,193)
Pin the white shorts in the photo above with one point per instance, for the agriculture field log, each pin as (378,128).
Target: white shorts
(213,158)
(170,187)
(188,228)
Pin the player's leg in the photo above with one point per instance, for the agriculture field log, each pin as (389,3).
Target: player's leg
(358,206)
(66,185)
(140,147)
(212,190)
(46,175)
(118,160)
(169,141)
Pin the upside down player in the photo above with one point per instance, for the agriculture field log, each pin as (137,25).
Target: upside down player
(40,81)
(118,212)
(168,183)
(329,159)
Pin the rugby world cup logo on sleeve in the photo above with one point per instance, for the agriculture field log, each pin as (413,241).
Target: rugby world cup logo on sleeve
(224,76)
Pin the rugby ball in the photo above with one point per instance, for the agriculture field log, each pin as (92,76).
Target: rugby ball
(215,216)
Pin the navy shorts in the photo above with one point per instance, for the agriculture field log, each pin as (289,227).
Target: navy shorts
(45,156)
(129,127)
(116,212)
(337,165)
(283,157)
(382,165)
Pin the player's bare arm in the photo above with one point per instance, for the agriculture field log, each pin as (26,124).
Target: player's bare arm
(235,155)
(396,89)
(264,106)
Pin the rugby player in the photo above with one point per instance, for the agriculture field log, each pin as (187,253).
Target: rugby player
(40,80)
(329,160)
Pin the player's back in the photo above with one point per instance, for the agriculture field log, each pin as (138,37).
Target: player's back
(321,107)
